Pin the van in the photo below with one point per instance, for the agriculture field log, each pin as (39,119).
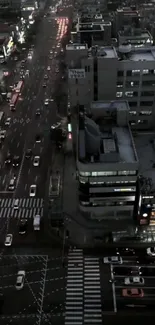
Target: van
(16,204)
(12,184)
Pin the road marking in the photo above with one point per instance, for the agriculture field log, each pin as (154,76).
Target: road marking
(113,289)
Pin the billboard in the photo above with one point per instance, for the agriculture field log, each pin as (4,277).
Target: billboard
(76,73)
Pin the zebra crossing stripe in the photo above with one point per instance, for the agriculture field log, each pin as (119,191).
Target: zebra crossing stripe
(27,208)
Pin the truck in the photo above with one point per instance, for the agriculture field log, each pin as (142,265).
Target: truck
(36,222)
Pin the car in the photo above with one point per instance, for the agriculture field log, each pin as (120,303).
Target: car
(8,240)
(51,57)
(8,121)
(134,280)
(20,280)
(28,153)
(16,58)
(148,271)
(38,112)
(36,161)
(44,85)
(113,260)
(120,250)
(8,159)
(151,251)
(22,226)
(121,270)
(12,184)
(133,293)
(48,68)
(46,102)
(45,76)
(51,52)
(2,134)
(38,138)
(30,56)
(16,161)
(135,270)
(27,73)
(33,189)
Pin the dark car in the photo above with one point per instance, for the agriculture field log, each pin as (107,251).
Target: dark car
(28,153)
(22,227)
(38,138)
(16,161)
(38,112)
(8,159)
(121,270)
(44,85)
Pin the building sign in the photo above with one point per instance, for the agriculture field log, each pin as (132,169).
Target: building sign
(76,73)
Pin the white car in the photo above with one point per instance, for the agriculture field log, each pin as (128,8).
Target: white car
(46,102)
(113,260)
(134,280)
(36,161)
(8,240)
(33,189)
(48,68)
(20,280)
(2,134)
(8,121)
(151,251)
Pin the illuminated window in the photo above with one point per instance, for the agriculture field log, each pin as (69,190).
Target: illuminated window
(119,94)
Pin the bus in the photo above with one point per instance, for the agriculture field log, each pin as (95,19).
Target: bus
(54,186)
(13,101)
(1,117)
(19,86)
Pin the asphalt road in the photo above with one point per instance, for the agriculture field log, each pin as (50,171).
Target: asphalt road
(25,125)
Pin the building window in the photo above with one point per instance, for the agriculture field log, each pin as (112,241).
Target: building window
(147,93)
(145,113)
(86,69)
(131,93)
(84,173)
(135,72)
(132,123)
(132,112)
(129,73)
(119,84)
(104,173)
(145,71)
(133,104)
(76,81)
(120,73)
(143,122)
(148,83)
(130,84)
(147,103)
(119,94)
(126,172)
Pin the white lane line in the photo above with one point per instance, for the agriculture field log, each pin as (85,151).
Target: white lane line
(113,289)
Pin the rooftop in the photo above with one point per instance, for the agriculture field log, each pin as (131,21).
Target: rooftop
(135,33)
(145,146)
(106,52)
(104,135)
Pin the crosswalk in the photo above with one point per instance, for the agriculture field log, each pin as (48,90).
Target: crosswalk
(27,208)
(83,291)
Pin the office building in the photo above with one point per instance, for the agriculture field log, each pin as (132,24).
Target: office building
(107,162)
(107,73)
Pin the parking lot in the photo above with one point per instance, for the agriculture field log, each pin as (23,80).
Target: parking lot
(43,294)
